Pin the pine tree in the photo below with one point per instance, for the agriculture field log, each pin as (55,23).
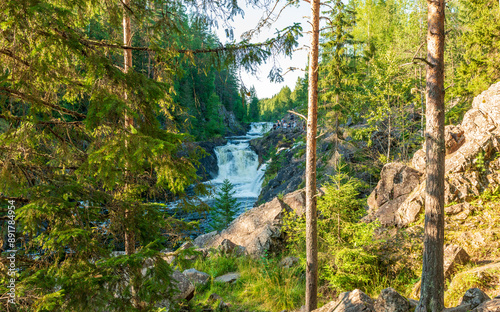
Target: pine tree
(225,207)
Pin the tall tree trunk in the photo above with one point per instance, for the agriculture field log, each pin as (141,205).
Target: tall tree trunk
(127,65)
(311,215)
(432,291)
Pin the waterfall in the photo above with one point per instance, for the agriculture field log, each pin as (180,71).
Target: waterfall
(240,165)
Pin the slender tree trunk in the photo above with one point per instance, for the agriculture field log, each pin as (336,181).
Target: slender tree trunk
(432,291)
(311,215)
(127,65)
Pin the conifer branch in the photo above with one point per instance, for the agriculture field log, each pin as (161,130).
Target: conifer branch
(11,55)
(27,97)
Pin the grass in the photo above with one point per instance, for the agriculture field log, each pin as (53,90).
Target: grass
(263,286)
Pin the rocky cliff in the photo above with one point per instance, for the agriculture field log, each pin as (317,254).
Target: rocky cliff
(472,166)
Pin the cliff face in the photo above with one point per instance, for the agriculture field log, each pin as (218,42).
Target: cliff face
(208,168)
(233,126)
(472,165)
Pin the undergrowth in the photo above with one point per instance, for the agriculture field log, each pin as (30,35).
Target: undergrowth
(264,285)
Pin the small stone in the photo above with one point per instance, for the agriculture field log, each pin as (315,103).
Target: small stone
(289,262)
(196,277)
(454,255)
(228,278)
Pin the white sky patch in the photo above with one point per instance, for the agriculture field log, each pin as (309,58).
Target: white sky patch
(289,16)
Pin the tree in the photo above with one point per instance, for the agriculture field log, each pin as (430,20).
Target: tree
(432,291)
(253,107)
(225,207)
(311,213)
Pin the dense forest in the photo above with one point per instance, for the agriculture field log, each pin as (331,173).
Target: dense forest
(103,108)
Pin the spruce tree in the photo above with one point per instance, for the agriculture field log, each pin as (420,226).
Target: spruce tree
(225,207)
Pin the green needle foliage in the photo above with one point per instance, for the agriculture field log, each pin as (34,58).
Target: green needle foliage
(80,179)
(225,207)
(344,258)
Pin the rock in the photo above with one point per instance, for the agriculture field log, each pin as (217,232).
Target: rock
(184,286)
(497,297)
(460,308)
(196,277)
(453,255)
(488,306)
(458,208)
(474,297)
(453,138)
(289,262)
(228,278)
(418,160)
(397,181)
(296,201)
(465,177)
(413,303)
(208,168)
(258,229)
(214,297)
(202,240)
(391,301)
(229,248)
(353,301)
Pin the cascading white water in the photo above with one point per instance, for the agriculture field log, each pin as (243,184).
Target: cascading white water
(240,165)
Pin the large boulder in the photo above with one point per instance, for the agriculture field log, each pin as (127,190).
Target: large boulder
(353,301)
(471,163)
(397,181)
(258,230)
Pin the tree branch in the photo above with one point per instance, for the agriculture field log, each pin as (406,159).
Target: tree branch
(11,55)
(27,97)
(298,114)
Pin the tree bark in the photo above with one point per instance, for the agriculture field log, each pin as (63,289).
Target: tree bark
(432,291)
(311,215)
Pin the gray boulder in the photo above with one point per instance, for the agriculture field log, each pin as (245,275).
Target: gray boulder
(453,255)
(396,183)
(391,301)
(474,297)
(258,230)
(228,278)
(196,277)
(183,285)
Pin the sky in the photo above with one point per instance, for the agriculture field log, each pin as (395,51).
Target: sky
(290,15)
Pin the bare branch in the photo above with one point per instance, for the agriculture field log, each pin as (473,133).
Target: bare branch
(298,114)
